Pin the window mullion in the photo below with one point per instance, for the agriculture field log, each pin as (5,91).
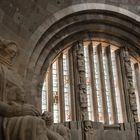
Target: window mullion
(93,82)
(72,78)
(102,80)
(121,87)
(61,88)
(67,91)
(112,87)
(88,84)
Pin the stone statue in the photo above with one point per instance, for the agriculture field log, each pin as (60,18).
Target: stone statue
(18,120)
(88,130)
(15,106)
(21,121)
(24,122)
(55,132)
(8,51)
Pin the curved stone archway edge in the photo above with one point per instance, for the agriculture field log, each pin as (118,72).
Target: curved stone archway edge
(102,25)
(39,34)
(49,54)
(78,8)
(105,21)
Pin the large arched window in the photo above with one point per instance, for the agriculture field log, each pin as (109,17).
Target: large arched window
(104,84)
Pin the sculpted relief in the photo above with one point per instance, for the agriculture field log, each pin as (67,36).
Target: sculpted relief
(8,76)
(18,120)
(131,90)
(82,84)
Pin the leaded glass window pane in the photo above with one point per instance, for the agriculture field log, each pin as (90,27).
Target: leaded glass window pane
(55,92)
(67,98)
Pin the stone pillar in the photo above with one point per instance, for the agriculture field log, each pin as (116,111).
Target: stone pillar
(93,83)
(130,96)
(80,82)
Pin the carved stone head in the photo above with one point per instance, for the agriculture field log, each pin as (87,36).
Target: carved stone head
(88,126)
(8,50)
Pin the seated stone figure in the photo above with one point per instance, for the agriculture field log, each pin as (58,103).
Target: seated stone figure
(24,122)
(21,121)
(15,105)
(18,120)
(55,132)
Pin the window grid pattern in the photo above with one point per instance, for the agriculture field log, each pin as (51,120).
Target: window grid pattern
(55,91)
(98,85)
(116,85)
(88,84)
(66,84)
(107,86)
(67,98)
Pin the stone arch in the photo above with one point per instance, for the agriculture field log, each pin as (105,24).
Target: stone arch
(106,22)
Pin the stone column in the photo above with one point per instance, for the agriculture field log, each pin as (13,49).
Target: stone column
(71,74)
(80,82)
(130,97)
